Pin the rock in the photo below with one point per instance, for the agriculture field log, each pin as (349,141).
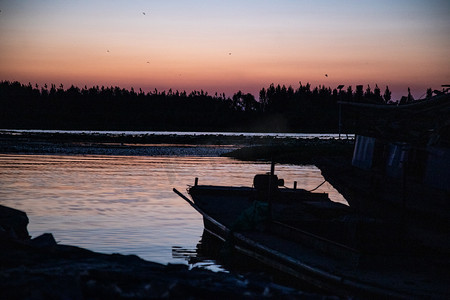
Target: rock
(44,240)
(13,223)
(42,269)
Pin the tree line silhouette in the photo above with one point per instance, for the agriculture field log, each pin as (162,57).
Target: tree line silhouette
(278,109)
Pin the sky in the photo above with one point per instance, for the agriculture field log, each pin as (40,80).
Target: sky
(226,46)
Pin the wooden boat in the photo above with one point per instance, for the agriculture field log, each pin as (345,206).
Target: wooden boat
(401,161)
(316,241)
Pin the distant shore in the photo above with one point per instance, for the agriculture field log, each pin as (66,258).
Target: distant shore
(282,148)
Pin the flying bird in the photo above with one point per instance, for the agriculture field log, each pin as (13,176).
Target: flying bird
(143,13)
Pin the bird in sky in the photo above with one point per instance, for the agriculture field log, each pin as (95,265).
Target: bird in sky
(326,75)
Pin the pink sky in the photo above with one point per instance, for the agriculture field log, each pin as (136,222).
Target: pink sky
(227,46)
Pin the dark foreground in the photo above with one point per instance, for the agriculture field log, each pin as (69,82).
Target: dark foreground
(39,268)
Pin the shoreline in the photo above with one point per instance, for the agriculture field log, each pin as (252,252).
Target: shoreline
(40,268)
(283,150)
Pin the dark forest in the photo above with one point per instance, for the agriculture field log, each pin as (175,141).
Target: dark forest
(278,108)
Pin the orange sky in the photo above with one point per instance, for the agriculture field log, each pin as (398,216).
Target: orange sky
(186,45)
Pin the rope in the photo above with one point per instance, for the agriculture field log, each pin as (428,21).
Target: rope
(317,186)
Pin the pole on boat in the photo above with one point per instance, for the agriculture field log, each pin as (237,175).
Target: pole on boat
(272,168)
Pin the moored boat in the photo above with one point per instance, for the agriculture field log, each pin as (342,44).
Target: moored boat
(316,241)
(401,161)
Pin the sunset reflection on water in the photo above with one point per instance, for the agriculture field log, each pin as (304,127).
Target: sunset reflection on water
(125,204)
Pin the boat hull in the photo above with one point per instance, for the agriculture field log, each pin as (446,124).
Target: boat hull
(308,258)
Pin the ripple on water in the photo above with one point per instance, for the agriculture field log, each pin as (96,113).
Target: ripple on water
(125,204)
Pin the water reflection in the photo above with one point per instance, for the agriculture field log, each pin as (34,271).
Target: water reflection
(204,255)
(125,204)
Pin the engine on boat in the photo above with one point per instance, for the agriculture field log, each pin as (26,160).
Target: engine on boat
(266,185)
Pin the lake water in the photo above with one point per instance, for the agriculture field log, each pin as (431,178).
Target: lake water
(125,204)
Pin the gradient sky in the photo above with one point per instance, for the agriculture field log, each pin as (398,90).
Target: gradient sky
(226,46)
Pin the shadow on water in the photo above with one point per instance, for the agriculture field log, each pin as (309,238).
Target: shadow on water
(216,255)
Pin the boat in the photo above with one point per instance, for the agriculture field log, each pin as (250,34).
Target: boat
(401,161)
(313,240)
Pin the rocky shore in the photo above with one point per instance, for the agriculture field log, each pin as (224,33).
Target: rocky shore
(282,149)
(39,268)
(301,153)
(80,144)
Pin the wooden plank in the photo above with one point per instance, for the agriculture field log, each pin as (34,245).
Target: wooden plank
(332,248)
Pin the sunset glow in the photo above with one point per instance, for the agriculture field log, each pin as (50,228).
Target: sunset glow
(227,46)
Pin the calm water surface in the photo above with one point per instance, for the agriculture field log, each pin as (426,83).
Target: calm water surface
(125,204)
